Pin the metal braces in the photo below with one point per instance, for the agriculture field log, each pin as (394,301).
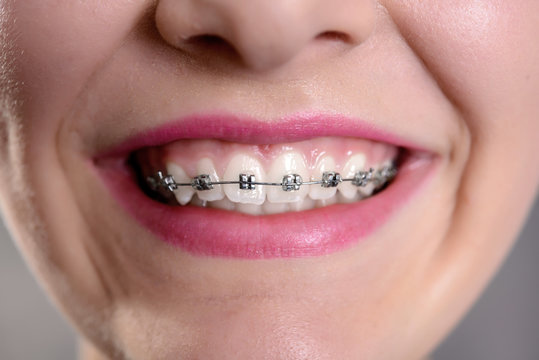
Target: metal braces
(290,182)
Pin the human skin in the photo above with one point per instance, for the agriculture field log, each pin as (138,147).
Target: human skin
(458,77)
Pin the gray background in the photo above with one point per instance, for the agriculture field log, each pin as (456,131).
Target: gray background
(503,325)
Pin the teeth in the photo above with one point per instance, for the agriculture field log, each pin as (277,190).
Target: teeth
(272,208)
(353,165)
(224,204)
(244,164)
(386,164)
(306,204)
(183,194)
(287,164)
(318,192)
(206,166)
(198,202)
(247,193)
(250,209)
(368,189)
(346,200)
(326,202)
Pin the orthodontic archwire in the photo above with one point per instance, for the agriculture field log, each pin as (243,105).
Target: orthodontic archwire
(290,182)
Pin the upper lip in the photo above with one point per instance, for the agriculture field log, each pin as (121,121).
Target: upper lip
(243,129)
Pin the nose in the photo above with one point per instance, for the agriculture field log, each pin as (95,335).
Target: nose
(264,34)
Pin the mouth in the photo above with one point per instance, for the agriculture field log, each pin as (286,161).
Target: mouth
(230,187)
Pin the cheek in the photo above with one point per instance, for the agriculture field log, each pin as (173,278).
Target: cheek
(485,57)
(61,44)
(472,46)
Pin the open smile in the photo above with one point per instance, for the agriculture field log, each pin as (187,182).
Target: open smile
(234,187)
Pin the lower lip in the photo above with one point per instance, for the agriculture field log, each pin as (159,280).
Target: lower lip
(220,233)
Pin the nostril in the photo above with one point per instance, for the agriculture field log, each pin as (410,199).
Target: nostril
(210,45)
(210,42)
(335,36)
(207,40)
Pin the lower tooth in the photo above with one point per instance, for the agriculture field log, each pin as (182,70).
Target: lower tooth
(341,198)
(326,202)
(250,209)
(223,204)
(269,208)
(274,208)
(306,204)
(196,201)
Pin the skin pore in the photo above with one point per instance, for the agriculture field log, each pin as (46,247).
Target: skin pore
(458,78)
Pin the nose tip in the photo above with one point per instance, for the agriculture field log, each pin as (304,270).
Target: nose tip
(263,34)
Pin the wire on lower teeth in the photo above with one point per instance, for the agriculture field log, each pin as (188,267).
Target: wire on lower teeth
(291,182)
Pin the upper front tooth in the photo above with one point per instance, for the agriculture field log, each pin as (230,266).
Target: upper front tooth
(245,164)
(206,166)
(289,163)
(183,194)
(353,165)
(318,192)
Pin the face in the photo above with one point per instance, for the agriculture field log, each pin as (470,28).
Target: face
(97,97)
